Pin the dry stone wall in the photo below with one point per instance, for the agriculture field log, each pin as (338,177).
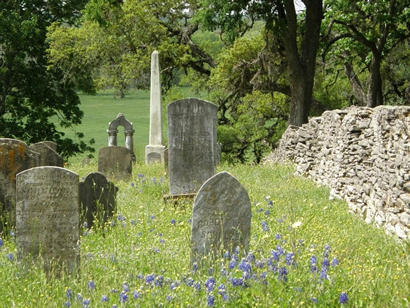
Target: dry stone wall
(362,154)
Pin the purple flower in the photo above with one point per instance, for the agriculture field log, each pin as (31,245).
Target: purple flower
(325,262)
(210,284)
(91,285)
(227,254)
(123,297)
(197,286)
(69,293)
(194,266)
(152,217)
(323,273)
(149,278)
(1,242)
(132,184)
(173,286)
(290,258)
(283,274)
(172,221)
(232,264)
(267,212)
(120,217)
(86,302)
(136,294)
(169,298)
(189,282)
(125,287)
(250,257)
(343,298)
(314,299)
(67,304)
(10,256)
(221,289)
(265,226)
(277,236)
(335,262)
(79,297)
(159,281)
(237,282)
(275,255)
(211,301)
(104,298)
(245,266)
(327,251)
(313,262)
(140,175)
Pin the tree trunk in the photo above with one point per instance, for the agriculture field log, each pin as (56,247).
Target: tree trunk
(375,94)
(355,83)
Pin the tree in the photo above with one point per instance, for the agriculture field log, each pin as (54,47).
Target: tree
(362,34)
(33,98)
(298,34)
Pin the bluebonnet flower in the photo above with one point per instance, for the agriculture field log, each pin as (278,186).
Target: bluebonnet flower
(10,256)
(120,217)
(123,297)
(259,264)
(154,180)
(114,306)
(172,221)
(275,255)
(335,262)
(313,263)
(211,301)
(12,234)
(79,297)
(136,294)
(343,298)
(279,220)
(260,210)
(140,276)
(1,242)
(189,282)
(277,236)
(232,264)
(270,202)
(67,304)
(197,286)
(140,175)
(244,266)
(263,275)
(237,282)
(221,289)
(210,284)
(290,258)
(173,286)
(265,226)
(169,298)
(104,298)
(194,266)
(325,262)
(155,249)
(227,254)
(149,278)
(114,291)
(91,285)
(132,184)
(190,220)
(250,257)
(326,251)
(152,217)
(323,273)
(314,299)
(236,251)
(86,302)
(161,241)
(283,274)
(247,275)
(159,281)
(223,272)
(280,250)
(125,287)
(267,212)
(225,297)
(69,293)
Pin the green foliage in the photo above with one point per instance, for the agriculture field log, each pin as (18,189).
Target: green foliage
(30,95)
(142,240)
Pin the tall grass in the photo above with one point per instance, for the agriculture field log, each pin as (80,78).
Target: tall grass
(142,259)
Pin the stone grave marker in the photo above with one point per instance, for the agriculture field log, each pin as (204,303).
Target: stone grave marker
(48,156)
(221,219)
(112,131)
(47,217)
(191,144)
(115,162)
(15,156)
(97,199)
(154,151)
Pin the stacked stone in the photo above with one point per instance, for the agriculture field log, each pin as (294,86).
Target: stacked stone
(362,154)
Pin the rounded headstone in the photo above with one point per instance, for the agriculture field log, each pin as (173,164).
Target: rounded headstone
(221,219)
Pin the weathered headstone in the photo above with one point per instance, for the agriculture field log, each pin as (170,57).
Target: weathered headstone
(15,156)
(191,144)
(115,162)
(48,156)
(154,151)
(221,219)
(47,217)
(112,131)
(97,199)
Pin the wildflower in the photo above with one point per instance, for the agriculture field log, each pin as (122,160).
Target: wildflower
(225,297)
(267,212)
(232,264)
(260,210)
(132,184)
(149,278)
(265,226)
(226,254)
(86,302)
(290,258)
(263,275)
(120,217)
(172,221)
(79,297)
(10,256)
(159,281)
(223,272)
(169,298)
(325,262)
(155,249)
(140,175)
(69,293)
(210,284)
(140,276)
(173,286)
(67,304)
(197,286)
(104,298)
(327,251)
(136,294)
(323,273)
(114,291)
(1,242)
(211,300)
(283,274)
(221,289)
(280,250)
(343,298)
(335,262)
(161,241)
(152,217)
(194,266)
(154,180)
(236,251)
(267,198)
(125,287)
(277,236)
(313,262)
(190,220)
(314,299)
(123,297)
(270,202)
(91,285)
(244,266)
(237,282)
(189,282)
(275,255)
(250,257)
(259,264)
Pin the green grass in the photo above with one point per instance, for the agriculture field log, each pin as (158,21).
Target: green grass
(373,267)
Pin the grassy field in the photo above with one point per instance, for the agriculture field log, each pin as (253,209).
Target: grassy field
(305,251)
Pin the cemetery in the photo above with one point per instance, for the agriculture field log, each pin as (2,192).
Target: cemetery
(228,190)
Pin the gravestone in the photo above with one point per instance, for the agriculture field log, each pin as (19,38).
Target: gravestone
(15,156)
(115,162)
(48,156)
(154,151)
(112,131)
(191,144)
(47,217)
(221,219)
(97,199)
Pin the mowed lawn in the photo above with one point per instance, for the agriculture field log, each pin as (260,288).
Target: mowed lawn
(102,108)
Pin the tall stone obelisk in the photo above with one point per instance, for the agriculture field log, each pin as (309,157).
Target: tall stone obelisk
(154,151)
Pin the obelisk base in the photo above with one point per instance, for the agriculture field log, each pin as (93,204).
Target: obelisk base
(155,154)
